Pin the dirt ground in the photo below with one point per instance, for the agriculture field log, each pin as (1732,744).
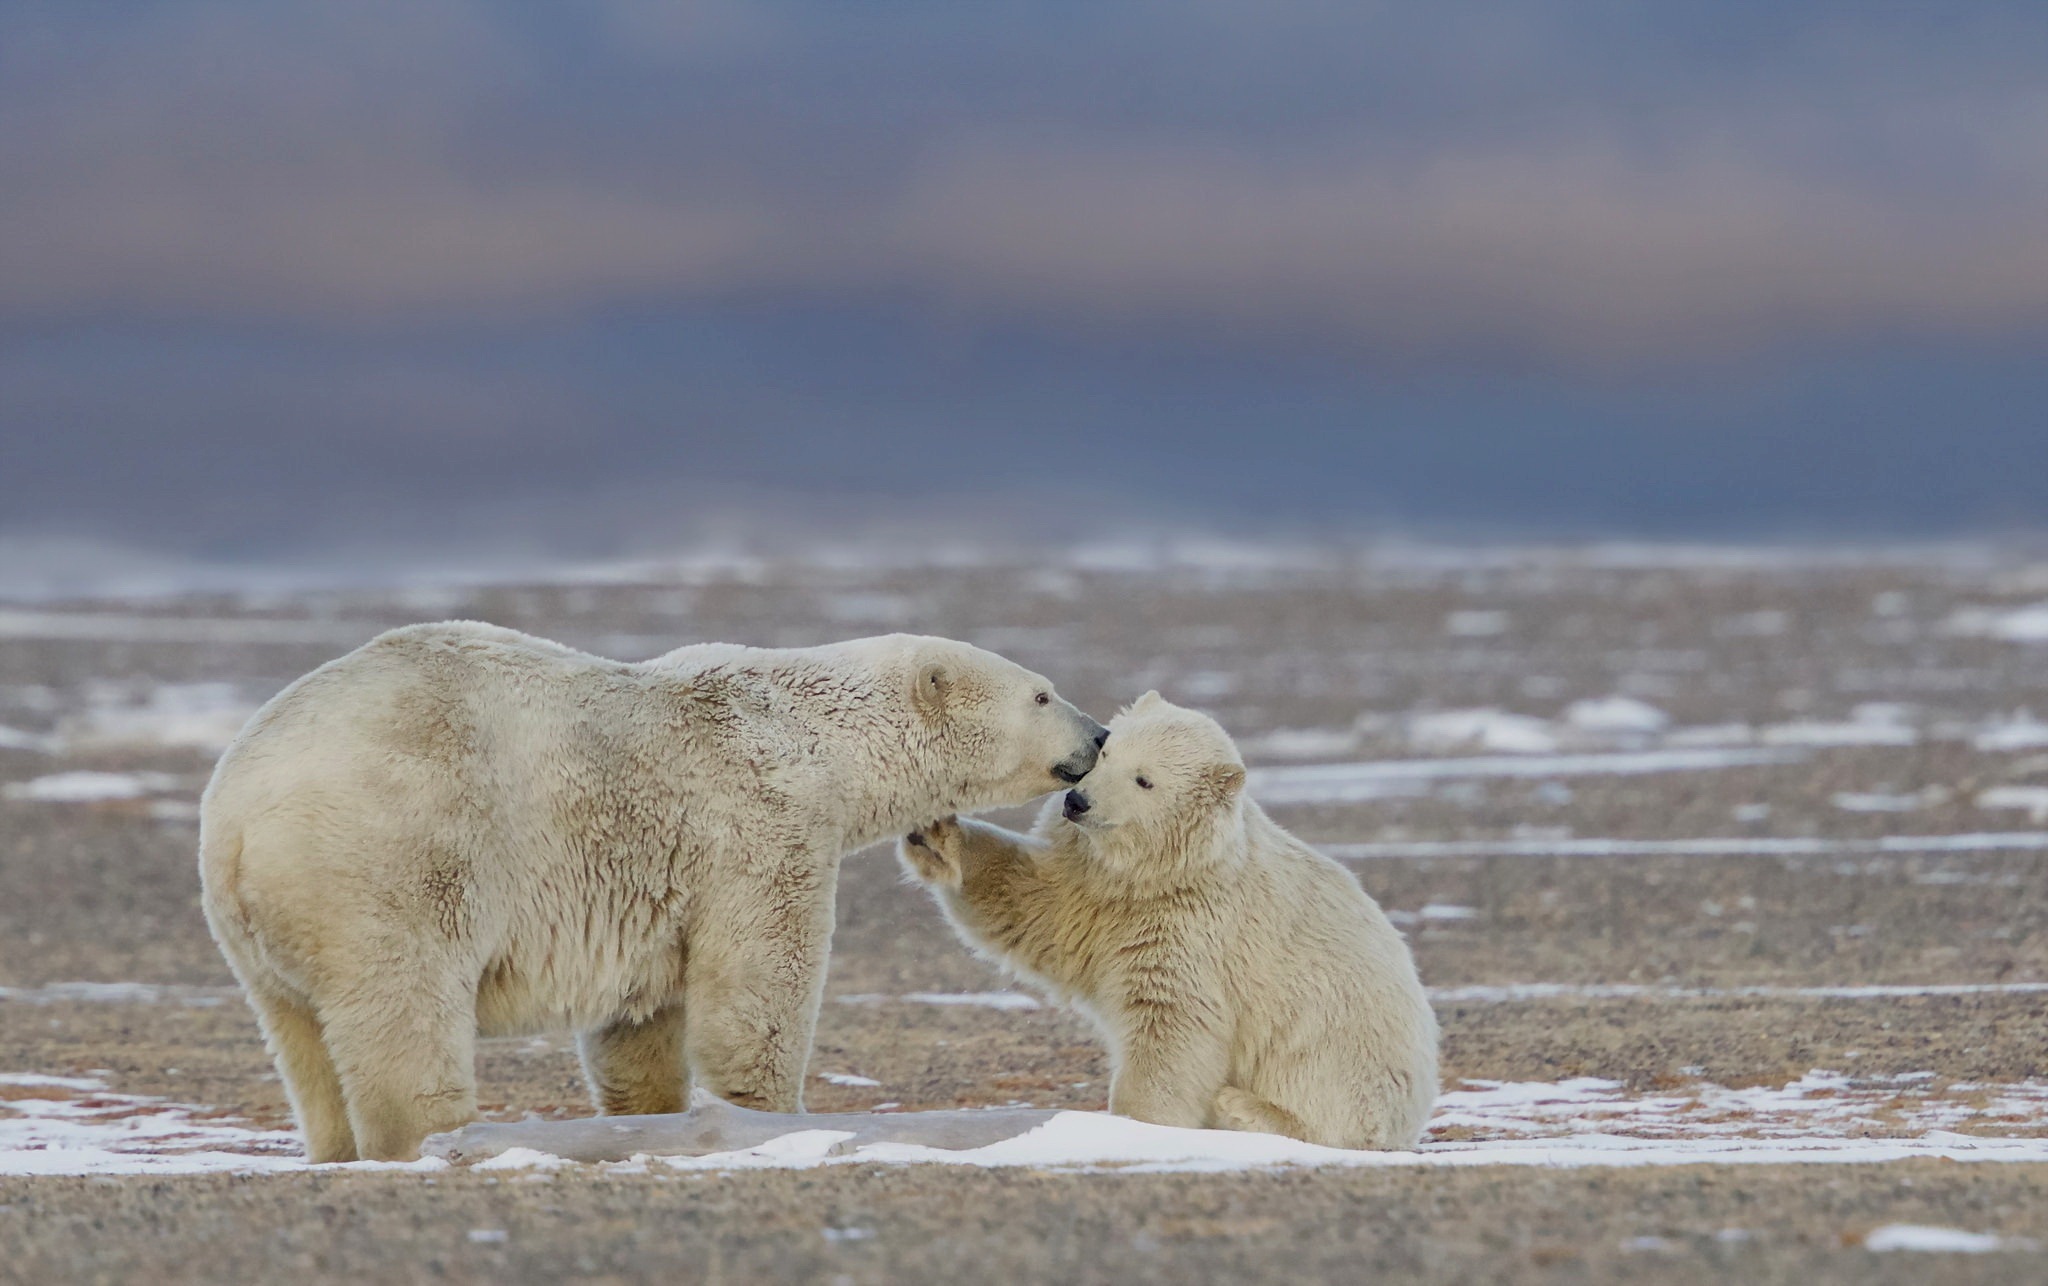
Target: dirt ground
(1882,684)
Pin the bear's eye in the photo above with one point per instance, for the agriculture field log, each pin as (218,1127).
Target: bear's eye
(1144,784)
(1043,698)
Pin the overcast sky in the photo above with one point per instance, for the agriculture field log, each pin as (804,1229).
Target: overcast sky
(276,275)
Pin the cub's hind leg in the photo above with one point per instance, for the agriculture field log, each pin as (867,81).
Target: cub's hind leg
(1237,1109)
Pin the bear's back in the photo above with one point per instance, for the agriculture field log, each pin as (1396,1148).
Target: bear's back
(430,697)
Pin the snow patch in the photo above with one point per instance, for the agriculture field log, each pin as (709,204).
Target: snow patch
(1706,846)
(1932,1240)
(2020,731)
(1871,724)
(73,1125)
(89,787)
(203,716)
(1356,782)
(1450,731)
(963,999)
(1616,714)
(522,1159)
(2024,625)
(847,1078)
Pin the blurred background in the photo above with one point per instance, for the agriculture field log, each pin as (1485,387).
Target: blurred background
(396,283)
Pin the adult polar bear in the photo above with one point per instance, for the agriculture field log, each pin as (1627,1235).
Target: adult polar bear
(459,828)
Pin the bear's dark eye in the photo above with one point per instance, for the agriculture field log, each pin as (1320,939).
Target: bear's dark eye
(1143,784)
(1043,698)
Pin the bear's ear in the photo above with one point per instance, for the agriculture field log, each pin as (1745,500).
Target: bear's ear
(930,689)
(1151,698)
(1226,780)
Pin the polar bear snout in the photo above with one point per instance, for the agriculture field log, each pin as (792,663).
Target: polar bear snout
(1075,804)
(1077,765)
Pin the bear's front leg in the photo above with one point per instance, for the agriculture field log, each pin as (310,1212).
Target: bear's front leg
(755,976)
(1170,1073)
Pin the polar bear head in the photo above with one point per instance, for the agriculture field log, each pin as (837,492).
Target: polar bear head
(986,731)
(1166,787)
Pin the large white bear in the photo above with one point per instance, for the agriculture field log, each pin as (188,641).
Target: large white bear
(460,829)
(1243,980)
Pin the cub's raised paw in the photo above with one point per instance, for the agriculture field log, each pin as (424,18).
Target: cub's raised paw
(926,852)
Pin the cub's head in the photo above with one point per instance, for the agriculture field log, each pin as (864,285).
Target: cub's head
(992,732)
(1167,778)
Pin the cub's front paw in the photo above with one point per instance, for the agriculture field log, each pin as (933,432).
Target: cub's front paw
(927,852)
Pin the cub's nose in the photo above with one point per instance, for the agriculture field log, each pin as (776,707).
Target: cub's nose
(1076,804)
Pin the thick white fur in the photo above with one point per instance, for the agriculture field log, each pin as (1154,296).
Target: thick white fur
(1242,980)
(459,829)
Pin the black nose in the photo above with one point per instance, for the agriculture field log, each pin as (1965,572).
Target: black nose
(1077,804)
(1101,735)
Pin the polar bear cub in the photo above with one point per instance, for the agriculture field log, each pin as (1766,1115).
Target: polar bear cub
(1241,979)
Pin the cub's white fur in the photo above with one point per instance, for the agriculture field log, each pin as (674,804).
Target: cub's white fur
(459,829)
(1242,980)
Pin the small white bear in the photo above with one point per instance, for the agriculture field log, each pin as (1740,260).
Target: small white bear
(1241,979)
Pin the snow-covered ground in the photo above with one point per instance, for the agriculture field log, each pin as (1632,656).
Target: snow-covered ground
(76,1125)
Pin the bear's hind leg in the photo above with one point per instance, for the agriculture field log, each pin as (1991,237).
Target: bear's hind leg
(406,1051)
(636,1069)
(298,1047)
(1238,1109)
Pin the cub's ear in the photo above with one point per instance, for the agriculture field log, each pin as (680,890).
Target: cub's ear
(931,688)
(1226,780)
(1150,699)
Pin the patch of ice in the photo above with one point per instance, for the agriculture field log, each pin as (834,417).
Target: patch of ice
(72,1125)
(964,999)
(1713,734)
(1850,801)
(523,1159)
(1447,911)
(1616,714)
(1354,782)
(1525,992)
(1932,1240)
(2022,625)
(1708,846)
(89,787)
(2032,799)
(1449,731)
(37,742)
(847,1078)
(1871,724)
(975,999)
(488,1236)
(2020,731)
(205,716)
(120,993)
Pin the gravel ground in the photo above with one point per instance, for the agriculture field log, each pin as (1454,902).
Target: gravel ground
(1883,682)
